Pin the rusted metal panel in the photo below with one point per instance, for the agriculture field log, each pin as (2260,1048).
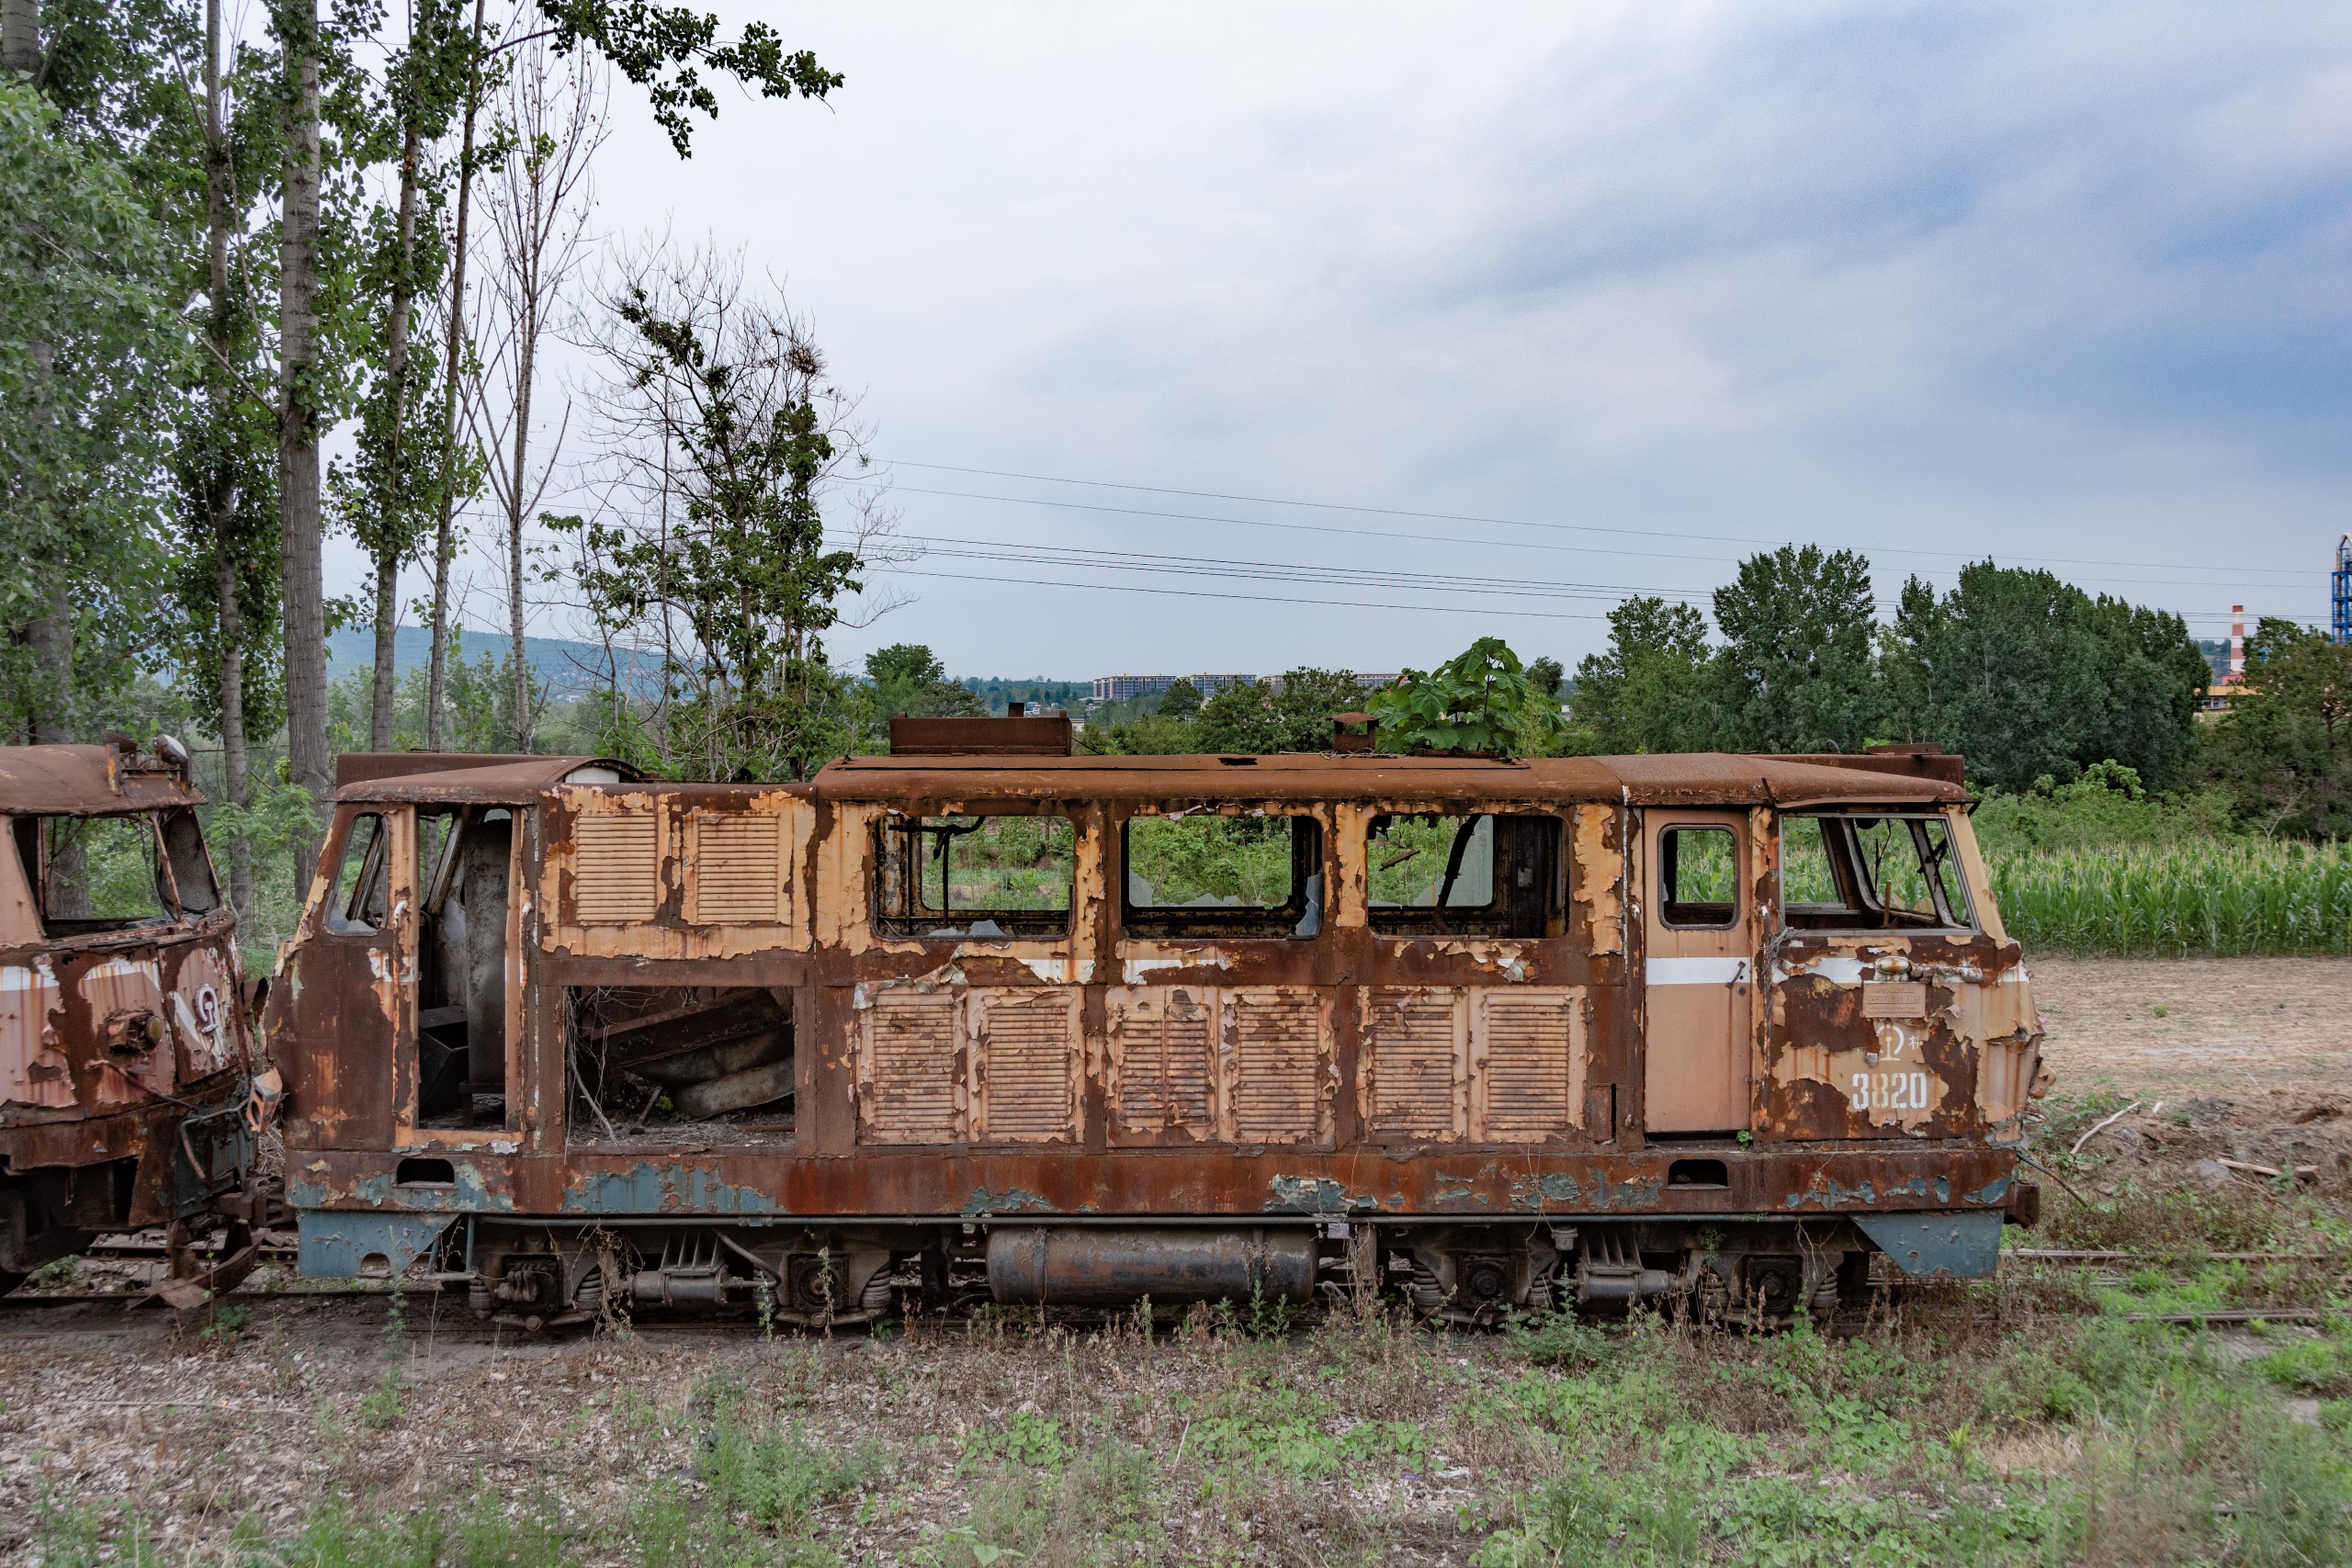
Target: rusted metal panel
(1527,1075)
(1162,1062)
(1415,1073)
(1280,1078)
(1044,735)
(912,1085)
(89,781)
(1027,1061)
(737,860)
(1032,1183)
(617,867)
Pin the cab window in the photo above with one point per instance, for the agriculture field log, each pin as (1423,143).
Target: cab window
(1698,876)
(100,873)
(1206,874)
(360,893)
(1487,875)
(976,876)
(1858,871)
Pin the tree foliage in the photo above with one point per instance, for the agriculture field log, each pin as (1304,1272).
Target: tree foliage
(2286,742)
(1651,690)
(1796,671)
(1291,715)
(90,352)
(2028,675)
(666,48)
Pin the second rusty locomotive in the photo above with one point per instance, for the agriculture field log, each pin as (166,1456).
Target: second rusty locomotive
(981,1018)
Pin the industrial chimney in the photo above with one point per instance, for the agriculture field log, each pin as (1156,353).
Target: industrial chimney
(2237,643)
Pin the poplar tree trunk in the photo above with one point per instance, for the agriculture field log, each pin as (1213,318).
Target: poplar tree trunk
(444,545)
(396,337)
(529,351)
(221,496)
(20,37)
(298,436)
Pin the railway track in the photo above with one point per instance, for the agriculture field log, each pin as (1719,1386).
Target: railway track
(35,1305)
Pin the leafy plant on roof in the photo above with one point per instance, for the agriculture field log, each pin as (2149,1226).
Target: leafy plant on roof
(1480,701)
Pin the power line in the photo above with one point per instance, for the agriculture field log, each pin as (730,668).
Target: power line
(1256,598)
(2201,567)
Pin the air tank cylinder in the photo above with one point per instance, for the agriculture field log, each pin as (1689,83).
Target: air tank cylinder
(1086,1266)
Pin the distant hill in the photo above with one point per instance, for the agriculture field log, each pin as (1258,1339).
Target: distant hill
(568,667)
(572,668)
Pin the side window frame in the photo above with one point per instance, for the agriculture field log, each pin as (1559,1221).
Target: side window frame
(1843,849)
(1735,911)
(1303,917)
(1511,834)
(900,842)
(337,914)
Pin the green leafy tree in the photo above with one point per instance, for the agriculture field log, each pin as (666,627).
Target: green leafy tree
(1479,701)
(90,356)
(1797,666)
(1181,700)
(2284,748)
(666,48)
(1291,713)
(1548,674)
(1655,688)
(2028,675)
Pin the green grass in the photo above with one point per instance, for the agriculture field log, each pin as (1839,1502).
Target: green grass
(2206,898)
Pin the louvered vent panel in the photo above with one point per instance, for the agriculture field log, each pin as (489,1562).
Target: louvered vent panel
(1167,1060)
(1028,1061)
(618,867)
(1415,1069)
(739,871)
(1277,1068)
(912,1068)
(1532,1067)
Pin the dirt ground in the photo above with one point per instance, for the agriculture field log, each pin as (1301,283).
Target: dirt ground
(2189,1028)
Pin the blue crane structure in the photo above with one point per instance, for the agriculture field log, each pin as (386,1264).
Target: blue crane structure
(2339,625)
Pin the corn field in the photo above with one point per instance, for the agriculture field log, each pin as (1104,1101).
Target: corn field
(2209,898)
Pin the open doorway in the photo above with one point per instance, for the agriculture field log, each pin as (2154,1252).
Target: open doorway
(465,962)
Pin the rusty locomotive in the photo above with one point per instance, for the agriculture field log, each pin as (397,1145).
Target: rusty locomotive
(131,1090)
(984,1020)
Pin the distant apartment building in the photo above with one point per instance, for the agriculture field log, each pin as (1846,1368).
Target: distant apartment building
(1119,688)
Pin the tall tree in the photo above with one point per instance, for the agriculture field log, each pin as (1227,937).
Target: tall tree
(1654,689)
(1797,666)
(723,435)
(227,645)
(388,499)
(538,207)
(296,25)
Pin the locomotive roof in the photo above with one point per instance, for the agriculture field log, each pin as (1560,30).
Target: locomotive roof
(1703,778)
(88,781)
(1684,778)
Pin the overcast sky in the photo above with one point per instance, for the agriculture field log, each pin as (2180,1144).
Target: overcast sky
(1572,301)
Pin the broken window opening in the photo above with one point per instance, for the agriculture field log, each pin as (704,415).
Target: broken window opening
(990,877)
(102,874)
(654,1064)
(1206,874)
(191,865)
(461,1022)
(1854,872)
(1480,875)
(357,896)
(1698,876)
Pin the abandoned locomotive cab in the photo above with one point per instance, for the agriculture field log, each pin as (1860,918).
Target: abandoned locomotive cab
(1019,1025)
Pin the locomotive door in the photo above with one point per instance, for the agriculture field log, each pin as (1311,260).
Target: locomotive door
(347,999)
(1699,977)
